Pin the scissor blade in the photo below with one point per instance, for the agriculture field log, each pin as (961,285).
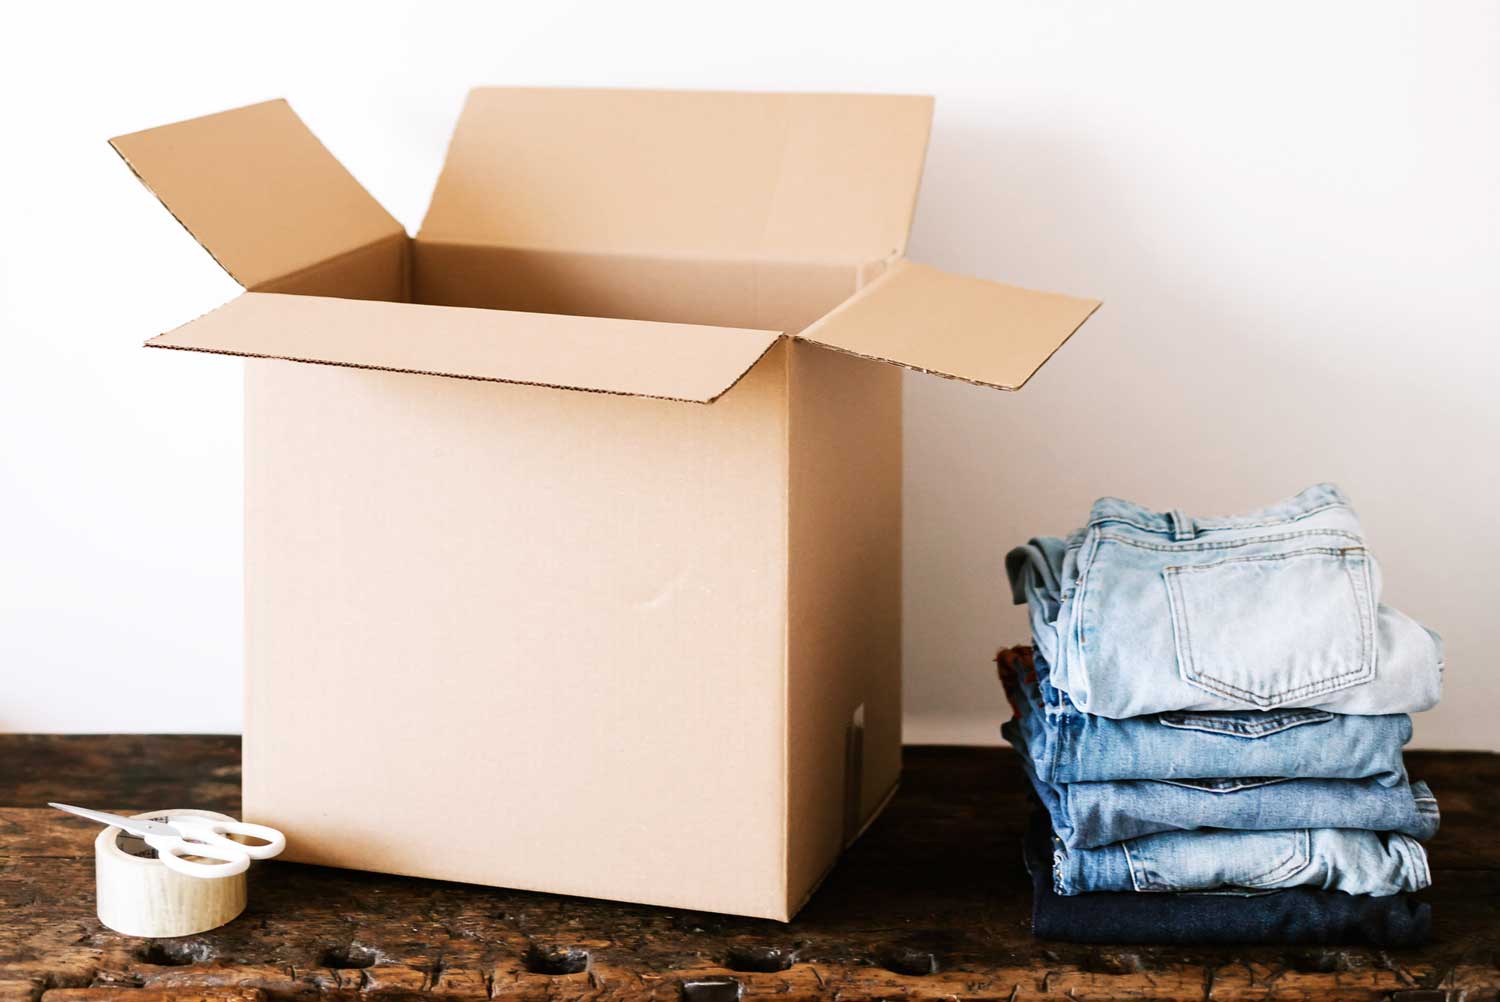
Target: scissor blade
(135,826)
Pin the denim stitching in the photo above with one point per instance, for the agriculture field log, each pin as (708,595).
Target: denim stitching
(1080,600)
(1140,874)
(1215,524)
(1230,785)
(1227,544)
(1418,856)
(1210,723)
(1146,879)
(1367,610)
(1056,755)
(1182,629)
(1301,846)
(1232,523)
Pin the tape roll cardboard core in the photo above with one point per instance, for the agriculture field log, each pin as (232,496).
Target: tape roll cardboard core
(139,896)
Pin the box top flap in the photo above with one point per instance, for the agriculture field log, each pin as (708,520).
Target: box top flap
(720,175)
(962,328)
(632,357)
(258,190)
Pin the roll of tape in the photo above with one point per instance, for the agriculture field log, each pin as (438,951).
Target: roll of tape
(139,896)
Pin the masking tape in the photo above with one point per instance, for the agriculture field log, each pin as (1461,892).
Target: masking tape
(139,896)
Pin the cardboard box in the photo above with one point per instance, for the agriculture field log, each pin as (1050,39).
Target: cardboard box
(573,562)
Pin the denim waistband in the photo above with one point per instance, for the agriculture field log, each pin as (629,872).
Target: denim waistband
(1177,525)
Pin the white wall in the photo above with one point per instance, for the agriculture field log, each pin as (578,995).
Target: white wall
(1291,210)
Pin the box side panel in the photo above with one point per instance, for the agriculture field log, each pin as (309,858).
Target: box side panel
(520,636)
(844,636)
(378,271)
(755,294)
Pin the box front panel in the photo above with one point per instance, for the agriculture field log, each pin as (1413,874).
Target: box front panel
(844,627)
(519,636)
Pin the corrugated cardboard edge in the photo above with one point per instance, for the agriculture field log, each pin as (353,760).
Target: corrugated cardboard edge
(785,865)
(153,343)
(394,228)
(953,376)
(162,202)
(890,267)
(1021,385)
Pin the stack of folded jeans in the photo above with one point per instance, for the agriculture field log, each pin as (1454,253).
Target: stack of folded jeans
(1213,715)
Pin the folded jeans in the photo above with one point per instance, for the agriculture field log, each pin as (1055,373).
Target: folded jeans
(1295,916)
(1143,612)
(1352,860)
(1069,746)
(1334,859)
(1092,814)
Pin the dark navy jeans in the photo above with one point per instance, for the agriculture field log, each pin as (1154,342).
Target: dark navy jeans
(1300,915)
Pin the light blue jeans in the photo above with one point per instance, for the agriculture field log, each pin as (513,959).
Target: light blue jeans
(1335,859)
(1089,815)
(1067,746)
(1143,612)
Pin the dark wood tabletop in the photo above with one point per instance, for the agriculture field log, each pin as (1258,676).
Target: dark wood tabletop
(932,903)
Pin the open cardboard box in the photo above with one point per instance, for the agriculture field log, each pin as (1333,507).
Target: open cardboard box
(573,563)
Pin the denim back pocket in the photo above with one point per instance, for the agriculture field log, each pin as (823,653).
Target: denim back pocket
(1269,629)
(1248,724)
(1205,861)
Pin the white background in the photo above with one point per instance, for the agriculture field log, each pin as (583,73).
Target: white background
(1291,210)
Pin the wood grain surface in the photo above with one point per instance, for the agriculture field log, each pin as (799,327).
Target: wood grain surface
(931,903)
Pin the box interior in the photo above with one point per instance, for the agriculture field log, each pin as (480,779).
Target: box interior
(739,210)
(779,296)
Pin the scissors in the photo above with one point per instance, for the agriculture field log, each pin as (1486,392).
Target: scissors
(194,837)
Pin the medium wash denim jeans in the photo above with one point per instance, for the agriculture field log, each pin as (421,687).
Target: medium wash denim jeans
(1067,746)
(1143,612)
(1351,860)
(1090,815)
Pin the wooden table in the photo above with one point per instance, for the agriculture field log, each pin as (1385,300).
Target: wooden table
(932,903)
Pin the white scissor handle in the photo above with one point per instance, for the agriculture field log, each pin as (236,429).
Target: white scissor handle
(171,849)
(217,832)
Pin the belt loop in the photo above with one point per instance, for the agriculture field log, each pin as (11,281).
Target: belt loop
(1182,526)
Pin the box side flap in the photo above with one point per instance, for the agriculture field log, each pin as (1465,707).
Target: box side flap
(257,190)
(632,357)
(790,177)
(962,328)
